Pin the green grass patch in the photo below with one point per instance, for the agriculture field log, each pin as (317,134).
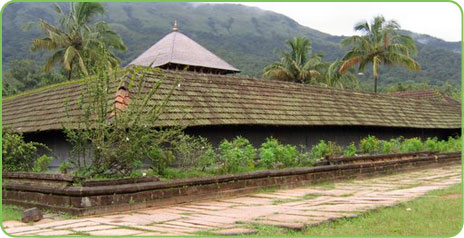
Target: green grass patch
(281,201)
(345,195)
(326,185)
(408,186)
(437,213)
(10,212)
(311,196)
(266,230)
(80,233)
(266,190)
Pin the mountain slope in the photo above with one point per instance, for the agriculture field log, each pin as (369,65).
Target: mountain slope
(246,37)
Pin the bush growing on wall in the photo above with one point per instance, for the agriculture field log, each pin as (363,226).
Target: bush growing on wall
(237,155)
(273,154)
(323,149)
(18,155)
(431,144)
(65,167)
(386,147)
(350,150)
(396,144)
(191,151)
(411,145)
(369,145)
(304,157)
(319,150)
(333,149)
(111,141)
(452,145)
(42,163)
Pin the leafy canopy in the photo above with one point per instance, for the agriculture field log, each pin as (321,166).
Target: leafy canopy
(76,39)
(298,64)
(380,42)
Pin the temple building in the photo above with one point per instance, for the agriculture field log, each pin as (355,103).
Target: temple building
(176,51)
(223,106)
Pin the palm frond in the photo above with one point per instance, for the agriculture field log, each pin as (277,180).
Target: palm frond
(58,9)
(85,11)
(363,27)
(347,64)
(69,57)
(43,43)
(53,59)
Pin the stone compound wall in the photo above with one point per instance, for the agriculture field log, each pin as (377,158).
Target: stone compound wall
(57,192)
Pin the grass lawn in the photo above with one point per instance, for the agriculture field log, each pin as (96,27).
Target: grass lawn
(437,213)
(10,212)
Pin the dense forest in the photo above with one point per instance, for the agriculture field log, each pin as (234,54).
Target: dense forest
(246,37)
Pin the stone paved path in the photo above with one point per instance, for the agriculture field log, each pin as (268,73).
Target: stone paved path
(292,208)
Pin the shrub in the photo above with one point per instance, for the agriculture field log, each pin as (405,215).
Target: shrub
(191,151)
(237,155)
(442,145)
(451,145)
(333,149)
(305,159)
(273,154)
(42,163)
(207,158)
(386,147)
(322,150)
(111,141)
(396,143)
(65,167)
(319,151)
(18,155)
(369,145)
(160,159)
(431,144)
(455,144)
(411,145)
(350,150)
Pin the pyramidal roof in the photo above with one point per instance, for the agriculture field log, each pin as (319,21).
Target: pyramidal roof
(177,48)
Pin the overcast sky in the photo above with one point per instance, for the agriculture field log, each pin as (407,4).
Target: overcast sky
(442,20)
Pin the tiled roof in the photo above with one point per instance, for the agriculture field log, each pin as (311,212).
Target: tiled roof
(177,48)
(232,100)
(433,95)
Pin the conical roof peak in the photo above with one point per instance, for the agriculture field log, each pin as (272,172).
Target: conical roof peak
(175,26)
(176,48)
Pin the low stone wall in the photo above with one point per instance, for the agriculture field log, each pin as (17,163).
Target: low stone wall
(99,197)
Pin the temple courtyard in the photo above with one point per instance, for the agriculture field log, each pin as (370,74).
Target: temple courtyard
(293,208)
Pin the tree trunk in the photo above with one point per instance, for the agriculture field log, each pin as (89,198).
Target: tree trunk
(375,84)
(70,71)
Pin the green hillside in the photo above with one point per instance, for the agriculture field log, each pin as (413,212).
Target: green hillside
(246,37)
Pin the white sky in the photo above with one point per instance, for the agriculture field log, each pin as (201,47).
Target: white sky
(442,20)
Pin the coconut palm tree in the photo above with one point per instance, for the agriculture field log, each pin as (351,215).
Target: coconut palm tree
(333,77)
(379,43)
(76,40)
(298,64)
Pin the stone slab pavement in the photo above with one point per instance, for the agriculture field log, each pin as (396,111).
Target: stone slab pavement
(293,208)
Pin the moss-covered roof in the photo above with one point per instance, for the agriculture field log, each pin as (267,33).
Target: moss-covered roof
(431,94)
(232,100)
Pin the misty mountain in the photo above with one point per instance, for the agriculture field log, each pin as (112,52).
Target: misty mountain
(247,37)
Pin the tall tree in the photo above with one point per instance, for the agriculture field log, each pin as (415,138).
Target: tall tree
(298,64)
(23,75)
(334,78)
(77,38)
(380,42)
